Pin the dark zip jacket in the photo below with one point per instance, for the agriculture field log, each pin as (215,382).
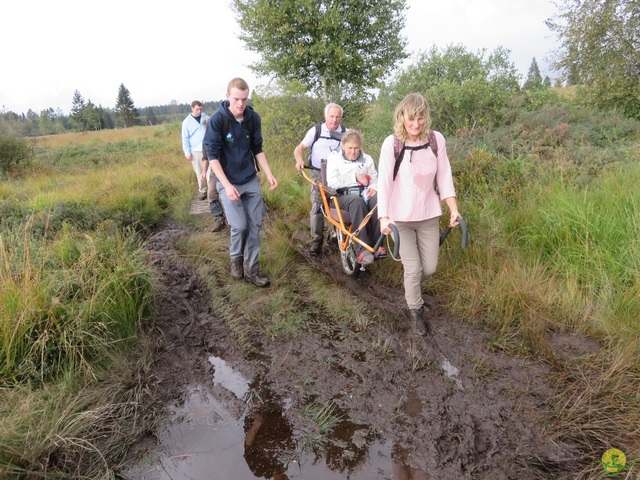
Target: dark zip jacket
(237,147)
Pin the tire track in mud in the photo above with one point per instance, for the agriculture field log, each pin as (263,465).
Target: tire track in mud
(387,384)
(483,419)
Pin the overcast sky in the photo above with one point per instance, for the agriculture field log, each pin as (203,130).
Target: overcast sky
(160,52)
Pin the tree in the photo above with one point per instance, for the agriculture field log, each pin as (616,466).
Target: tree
(126,113)
(78,107)
(534,79)
(336,49)
(600,50)
(93,117)
(14,154)
(464,89)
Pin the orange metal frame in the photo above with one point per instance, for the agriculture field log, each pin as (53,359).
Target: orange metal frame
(349,234)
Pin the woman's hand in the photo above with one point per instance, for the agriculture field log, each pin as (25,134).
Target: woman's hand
(453,220)
(384,225)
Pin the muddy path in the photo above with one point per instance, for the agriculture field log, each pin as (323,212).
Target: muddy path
(361,401)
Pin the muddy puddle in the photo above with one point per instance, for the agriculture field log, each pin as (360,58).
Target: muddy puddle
(240,429)
(339,401)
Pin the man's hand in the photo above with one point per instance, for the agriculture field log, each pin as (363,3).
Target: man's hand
(232,193)
(273,183)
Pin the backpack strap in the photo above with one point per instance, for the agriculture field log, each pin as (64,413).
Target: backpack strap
(318,127)
(398,154)
(399,149)
(431,140)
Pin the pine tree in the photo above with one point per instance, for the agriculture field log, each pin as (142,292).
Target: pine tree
(78,107)
(534,79)
(126,113)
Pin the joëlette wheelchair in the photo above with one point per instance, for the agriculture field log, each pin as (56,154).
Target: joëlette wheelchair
(345,232)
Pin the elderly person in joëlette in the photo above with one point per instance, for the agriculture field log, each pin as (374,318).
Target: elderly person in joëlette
(352,173)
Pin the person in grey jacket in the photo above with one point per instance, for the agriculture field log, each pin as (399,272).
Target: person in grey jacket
(192,135)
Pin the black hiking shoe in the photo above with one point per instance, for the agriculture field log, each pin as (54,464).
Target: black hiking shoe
(419,321)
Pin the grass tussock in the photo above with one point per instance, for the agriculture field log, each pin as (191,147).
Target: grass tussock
(70,430)
(65,302)
(596,407)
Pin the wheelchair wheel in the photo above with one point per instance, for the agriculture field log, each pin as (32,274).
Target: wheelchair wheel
(348,258)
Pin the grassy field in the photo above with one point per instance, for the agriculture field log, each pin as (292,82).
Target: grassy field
(554,221)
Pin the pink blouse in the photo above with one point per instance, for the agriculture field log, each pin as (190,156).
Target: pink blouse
(412,196)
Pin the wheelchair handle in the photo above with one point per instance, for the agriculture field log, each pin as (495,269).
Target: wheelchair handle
(396,241)
(463,228)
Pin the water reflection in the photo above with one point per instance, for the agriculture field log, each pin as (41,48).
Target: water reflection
(401,469)
(242,429)
(347,445)
(268,444)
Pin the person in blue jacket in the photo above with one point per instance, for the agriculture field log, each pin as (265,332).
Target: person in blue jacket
(192,133)
(233,142)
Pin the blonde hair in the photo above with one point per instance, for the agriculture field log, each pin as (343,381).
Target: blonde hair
(238,83)
(412,106)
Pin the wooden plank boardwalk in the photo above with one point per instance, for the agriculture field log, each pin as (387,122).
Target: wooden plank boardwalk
(198,207)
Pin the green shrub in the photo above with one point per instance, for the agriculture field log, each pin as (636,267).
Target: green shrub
(15,155)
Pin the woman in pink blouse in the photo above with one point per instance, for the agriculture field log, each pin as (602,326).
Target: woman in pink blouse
(411,198)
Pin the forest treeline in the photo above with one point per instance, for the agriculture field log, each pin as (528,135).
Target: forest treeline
(89,117)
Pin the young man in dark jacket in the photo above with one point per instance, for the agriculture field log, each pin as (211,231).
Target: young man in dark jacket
(233,141)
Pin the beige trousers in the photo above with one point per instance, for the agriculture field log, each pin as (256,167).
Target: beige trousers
(419,245)
(196,162)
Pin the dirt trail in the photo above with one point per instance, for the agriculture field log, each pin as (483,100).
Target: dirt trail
(443,408)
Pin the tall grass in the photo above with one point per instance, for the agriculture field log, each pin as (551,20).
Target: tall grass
(75,291)
(67,301)
(554,248)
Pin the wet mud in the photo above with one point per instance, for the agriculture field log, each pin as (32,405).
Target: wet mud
(339,402)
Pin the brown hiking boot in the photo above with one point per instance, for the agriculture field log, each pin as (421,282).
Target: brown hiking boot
(253,276)
(237,271)
(419,321)
(316,247)
(219,223)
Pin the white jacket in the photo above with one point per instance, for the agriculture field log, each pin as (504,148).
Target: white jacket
(342,172)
